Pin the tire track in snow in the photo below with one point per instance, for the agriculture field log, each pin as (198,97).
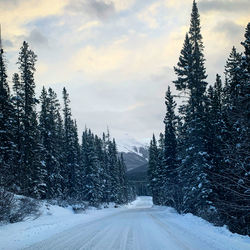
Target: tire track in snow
(164,227)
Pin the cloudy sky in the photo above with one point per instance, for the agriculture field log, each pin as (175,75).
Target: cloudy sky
(116,57)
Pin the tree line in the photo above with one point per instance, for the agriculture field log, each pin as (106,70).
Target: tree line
(40,153)
(201,163)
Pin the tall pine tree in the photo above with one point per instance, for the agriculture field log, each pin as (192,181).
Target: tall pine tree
(7,146)
(33,169)
(191,74)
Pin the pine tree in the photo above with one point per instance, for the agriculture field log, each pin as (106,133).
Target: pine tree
(216,134)
(33,169)
(170,153)
(160,183)
(153,171)
(234,181)
(184,67)
(246,45)
(101,169)
(71,149)
(6,136)
(114,170)
(18,113)
(91,189)
(233,76)
(124,181)
(50,142)
(106,175)
(195,162)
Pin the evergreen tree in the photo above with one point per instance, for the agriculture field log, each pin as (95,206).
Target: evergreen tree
(161,173)
(234,182)
(49,140)
(233,77)
(153,170)
(106,165)
(216,134)
(92,189)
(101,169)
(32,166)
(114,170)
(170,153)
(6,122)
(124,184)
(184,67)
(195,162)
(18,113)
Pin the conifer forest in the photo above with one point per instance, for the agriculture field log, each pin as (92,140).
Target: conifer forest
(41,156)
(199,164)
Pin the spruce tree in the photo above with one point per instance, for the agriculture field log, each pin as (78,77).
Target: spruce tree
(153,170)
(170,152)
(18,112)
(184,67)
(33,169)
(114,170)
(50,142)
(107,174)
(235,184)
(7,146)
(71,149)
(124,180)
(195,162)
(91,189)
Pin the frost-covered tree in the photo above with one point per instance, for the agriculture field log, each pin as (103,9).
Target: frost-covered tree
(48,123)
(234,180)
(71,152)
(195,158)
(169,171)
(33,169)
(17,128)
(7,146)
(153,171)
(91,164)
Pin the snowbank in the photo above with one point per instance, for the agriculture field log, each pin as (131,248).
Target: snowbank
(54,219)
(193,229)
(149,225)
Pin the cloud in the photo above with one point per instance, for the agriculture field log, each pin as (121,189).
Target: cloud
(149,15)
(89,25)
(9,4)
(15,15)
(7,43)
(37,38)
(121,5)
(93,8)
(230,28)
(224,5)
(92,60)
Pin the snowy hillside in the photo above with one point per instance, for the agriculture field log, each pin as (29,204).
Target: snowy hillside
(127,144)
(135,153)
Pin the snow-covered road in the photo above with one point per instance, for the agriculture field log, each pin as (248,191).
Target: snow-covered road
(142,227)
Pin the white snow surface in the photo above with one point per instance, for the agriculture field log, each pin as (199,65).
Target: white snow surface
(137,226)
(127,144)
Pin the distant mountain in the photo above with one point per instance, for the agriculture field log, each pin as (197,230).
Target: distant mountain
(139,173)
(135,153)
(138,178)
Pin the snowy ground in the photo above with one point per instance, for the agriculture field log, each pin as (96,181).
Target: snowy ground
(138,226)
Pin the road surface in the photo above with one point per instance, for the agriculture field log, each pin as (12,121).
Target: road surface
(140,227)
